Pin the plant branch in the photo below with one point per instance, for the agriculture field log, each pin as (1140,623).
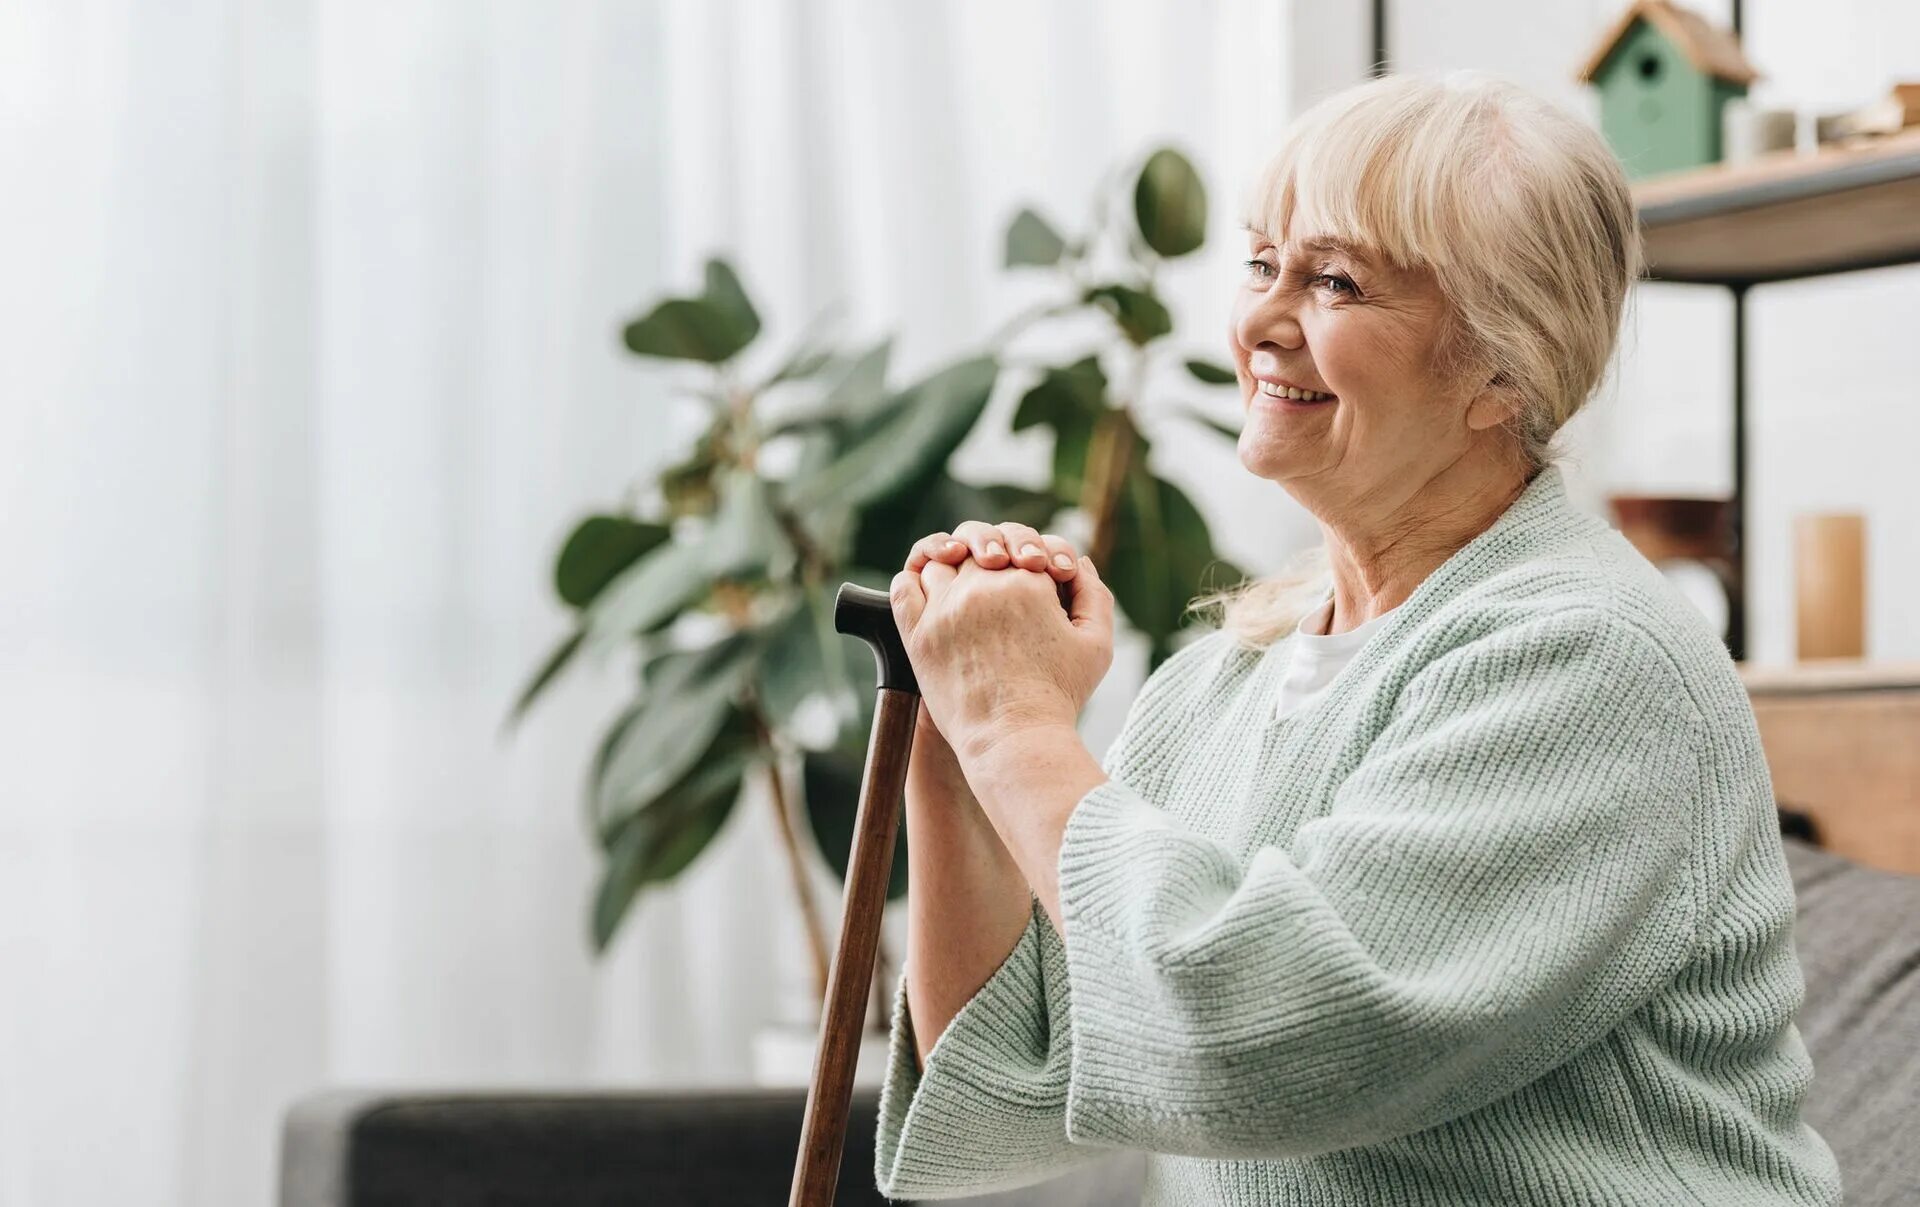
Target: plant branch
(1110,452)
(796,862)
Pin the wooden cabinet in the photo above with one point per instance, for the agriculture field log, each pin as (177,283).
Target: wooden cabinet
(1843,746)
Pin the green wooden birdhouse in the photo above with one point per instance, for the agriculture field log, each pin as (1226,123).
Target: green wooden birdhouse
(1663,73)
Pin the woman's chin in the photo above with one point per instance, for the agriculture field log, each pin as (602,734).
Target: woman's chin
(1272,461)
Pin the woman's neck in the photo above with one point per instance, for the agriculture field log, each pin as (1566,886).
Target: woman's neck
(1380,551)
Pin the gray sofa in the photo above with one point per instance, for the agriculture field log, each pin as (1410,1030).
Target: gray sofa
(1858,938)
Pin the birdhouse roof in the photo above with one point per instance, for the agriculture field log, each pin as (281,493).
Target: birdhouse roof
(1709,48)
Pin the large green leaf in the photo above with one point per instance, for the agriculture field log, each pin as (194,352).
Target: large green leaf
(549,671)
(1069,400)
(599,549)
(1162,557)
(907,447)
(1139,569)
(746,539)
(1070,446)
(646,595)
(859,396)
(686,329)
(655,844)
(688,695)
(725,294)
(1073,394)
(1030,240)
(710,328)
(1170,204)
(795,660)
(743,539)
(886,534)
(603,755)
(1141,316)
(831,780)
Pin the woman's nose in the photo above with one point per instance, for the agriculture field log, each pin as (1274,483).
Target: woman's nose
(1269,320)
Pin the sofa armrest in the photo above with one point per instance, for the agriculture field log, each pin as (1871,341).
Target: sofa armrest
(342,1148)
(366,1148)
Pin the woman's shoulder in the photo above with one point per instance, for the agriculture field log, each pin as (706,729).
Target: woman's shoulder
(1582,592)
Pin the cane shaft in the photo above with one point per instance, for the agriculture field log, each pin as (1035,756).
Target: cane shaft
(850,983)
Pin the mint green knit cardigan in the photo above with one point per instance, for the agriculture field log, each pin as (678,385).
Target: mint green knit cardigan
(1502,917)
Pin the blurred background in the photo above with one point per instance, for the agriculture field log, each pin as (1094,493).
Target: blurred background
(322,333)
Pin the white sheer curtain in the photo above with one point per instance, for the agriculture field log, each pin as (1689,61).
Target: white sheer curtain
(308,330)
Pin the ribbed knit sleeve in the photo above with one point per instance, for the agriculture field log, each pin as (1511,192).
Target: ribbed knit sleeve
(1499,882)
(989,1111)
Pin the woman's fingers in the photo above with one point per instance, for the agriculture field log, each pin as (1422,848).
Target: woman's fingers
(987,544)
(1063,561)
(936,547)
(1028,550)
(996,547)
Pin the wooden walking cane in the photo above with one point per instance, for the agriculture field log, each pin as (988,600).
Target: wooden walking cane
(858,612)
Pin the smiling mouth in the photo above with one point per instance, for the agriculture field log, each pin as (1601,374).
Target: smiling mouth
(1294,393)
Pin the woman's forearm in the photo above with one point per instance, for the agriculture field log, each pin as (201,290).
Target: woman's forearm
(967,903)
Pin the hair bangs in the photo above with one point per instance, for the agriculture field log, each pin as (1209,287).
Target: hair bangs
(1375,170)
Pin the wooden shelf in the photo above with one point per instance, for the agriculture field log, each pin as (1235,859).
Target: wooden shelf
(1785,215)
(1829,675)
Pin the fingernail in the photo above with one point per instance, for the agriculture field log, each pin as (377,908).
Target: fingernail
(1030,550)
(1063,561)
(995,549)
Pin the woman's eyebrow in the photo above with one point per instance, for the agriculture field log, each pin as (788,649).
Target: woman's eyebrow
(1345,247)
(1318,243)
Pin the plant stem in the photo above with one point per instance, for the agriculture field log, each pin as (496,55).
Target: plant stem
(797,866)
(1109,462)
(1109,457)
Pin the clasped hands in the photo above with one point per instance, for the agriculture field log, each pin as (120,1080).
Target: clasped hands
(979,610)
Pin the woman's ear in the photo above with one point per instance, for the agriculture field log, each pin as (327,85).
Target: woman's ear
(1494,405)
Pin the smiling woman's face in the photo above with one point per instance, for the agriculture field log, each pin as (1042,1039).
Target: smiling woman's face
(1329,318)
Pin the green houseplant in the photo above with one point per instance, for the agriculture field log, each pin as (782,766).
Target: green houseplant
(1151,542)
(721,572)
(802,478)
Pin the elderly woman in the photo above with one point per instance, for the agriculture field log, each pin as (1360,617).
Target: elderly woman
(1447,870)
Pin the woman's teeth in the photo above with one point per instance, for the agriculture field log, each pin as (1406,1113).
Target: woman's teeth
(1268,388)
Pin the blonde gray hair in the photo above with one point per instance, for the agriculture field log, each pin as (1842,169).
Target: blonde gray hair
(1523,215)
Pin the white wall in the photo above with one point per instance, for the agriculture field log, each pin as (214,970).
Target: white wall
(1833,405)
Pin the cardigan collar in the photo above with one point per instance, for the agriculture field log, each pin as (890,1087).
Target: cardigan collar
(1541,517)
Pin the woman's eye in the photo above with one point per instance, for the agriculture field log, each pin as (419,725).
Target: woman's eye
(1260,270)
(1334,282)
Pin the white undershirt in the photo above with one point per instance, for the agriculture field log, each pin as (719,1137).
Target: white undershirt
(1317,655)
